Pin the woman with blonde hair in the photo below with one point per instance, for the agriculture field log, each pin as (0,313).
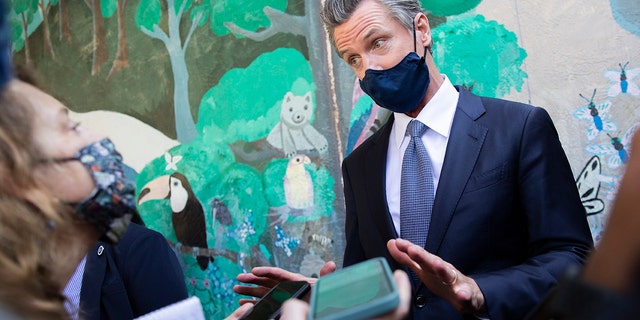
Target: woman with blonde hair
(54,204)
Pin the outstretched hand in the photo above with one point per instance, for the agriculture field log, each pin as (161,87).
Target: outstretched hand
(441,277)
(262,279)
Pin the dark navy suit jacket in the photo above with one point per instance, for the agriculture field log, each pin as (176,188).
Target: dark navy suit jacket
(139,275)
(507,211)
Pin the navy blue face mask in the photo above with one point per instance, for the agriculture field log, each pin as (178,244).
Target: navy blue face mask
(400,88)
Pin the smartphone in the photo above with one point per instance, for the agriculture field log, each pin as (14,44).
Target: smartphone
(360,291)
(269,306)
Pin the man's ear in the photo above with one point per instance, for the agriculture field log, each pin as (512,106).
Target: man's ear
(423,31)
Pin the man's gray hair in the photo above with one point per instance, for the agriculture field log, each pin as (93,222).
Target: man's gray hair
(337,12)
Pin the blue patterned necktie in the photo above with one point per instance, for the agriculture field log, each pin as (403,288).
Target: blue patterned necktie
(416,188)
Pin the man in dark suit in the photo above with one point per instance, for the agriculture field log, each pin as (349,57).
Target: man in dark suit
(502,219)
(506,219)
(138,275)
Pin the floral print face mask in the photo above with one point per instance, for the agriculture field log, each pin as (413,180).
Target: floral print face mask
(111,204)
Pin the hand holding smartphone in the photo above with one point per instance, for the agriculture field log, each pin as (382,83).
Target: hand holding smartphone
(360,291)
(269,307)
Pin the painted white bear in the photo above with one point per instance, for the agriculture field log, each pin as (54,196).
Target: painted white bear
(294,133)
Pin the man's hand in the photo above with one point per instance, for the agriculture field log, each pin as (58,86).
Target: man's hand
(439,276)
(265,278)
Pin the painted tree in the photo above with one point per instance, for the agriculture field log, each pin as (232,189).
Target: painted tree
(149,16)
(63,21)
(122,53)
(101,10)
(24,11)
(100,50)
(481,55)
(45,6)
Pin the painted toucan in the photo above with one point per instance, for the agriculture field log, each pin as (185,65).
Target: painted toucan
(187,215)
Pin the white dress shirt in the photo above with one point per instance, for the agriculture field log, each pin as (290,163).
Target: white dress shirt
(437,115)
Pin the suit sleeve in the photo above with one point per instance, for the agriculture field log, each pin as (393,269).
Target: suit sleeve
(558,233)
(151,272)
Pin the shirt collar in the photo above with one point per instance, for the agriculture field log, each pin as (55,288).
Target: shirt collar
(437,114)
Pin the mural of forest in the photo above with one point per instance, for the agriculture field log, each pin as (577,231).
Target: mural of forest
(237,113)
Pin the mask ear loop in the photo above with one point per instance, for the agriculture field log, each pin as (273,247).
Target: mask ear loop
(56,160)
(415,49)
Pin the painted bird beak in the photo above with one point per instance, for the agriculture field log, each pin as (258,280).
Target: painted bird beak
(155,189)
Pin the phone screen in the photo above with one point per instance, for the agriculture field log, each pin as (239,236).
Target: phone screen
(269,306)
(356,292)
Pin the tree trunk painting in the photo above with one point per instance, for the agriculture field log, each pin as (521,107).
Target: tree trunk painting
(44,8)
(63,11)
(25,30)
(122,55)
(100,50)
(185,125)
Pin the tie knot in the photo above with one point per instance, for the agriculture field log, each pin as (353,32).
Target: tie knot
(416,128)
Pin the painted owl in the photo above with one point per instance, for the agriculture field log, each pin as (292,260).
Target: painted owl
(298,186)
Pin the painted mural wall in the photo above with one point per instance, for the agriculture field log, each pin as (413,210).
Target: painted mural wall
(234,116)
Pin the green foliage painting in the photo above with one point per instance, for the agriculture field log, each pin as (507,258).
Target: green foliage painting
(481,55)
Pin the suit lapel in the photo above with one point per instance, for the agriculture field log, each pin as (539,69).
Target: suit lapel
(90,293)
(465,142)
(375,178)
